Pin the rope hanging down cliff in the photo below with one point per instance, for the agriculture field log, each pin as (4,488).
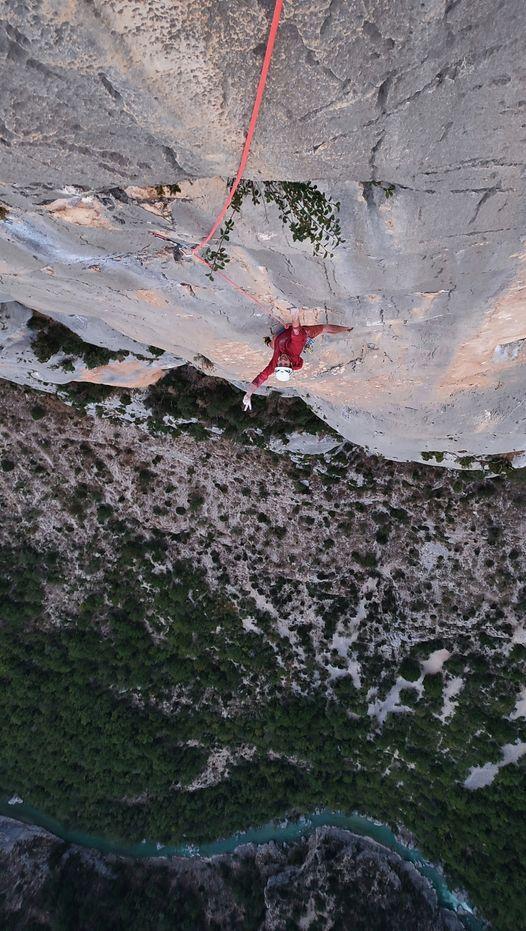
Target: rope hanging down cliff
(278,6)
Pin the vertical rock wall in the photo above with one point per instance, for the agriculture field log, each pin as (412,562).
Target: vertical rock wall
(426,97)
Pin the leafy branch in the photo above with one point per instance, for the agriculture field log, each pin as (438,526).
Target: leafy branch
(309,214)
(388,189)
(218,258)
(165,191)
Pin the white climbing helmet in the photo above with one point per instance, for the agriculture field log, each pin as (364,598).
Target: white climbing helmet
(283,373)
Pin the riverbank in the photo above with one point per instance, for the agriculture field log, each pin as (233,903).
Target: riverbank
(285,832)
(261,878)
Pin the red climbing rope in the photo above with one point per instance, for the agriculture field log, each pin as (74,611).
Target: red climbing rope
(248,141)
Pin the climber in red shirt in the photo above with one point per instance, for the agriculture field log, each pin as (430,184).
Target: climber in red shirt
(288,346)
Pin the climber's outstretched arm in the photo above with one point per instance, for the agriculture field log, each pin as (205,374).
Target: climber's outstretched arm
(314,331)
(332,328)
(247,398)
(295,319)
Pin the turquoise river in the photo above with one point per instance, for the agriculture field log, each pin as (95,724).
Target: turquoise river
(284,832)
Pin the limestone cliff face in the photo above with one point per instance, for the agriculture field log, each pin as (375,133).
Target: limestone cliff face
(424,94)
(426,97)
(335,878)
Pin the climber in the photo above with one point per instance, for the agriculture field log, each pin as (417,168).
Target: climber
(288,346)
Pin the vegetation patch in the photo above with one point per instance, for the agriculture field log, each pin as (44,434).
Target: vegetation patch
(184,603)
(185,394)
(308,213)
(128,696)
(51,338)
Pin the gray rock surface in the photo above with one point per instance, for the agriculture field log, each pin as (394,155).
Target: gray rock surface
(424,96)
(436,359)
(411,92)
(342,880)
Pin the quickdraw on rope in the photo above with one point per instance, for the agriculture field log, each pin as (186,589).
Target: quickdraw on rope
(244,156)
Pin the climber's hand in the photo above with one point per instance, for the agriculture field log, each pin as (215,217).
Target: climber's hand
(247,401)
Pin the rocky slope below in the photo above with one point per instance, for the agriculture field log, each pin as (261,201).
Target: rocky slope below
(200,634)
(333,880)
